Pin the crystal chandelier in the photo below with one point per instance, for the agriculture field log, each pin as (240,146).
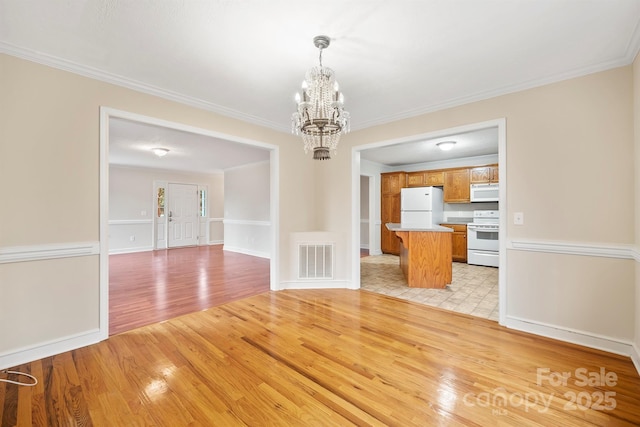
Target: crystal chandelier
(320,117)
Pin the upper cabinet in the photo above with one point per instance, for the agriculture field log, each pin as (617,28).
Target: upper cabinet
(457,186)
(484,174)
(433,178)
(416,179)
(392,182)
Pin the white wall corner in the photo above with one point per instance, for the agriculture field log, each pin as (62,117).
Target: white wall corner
(635,356)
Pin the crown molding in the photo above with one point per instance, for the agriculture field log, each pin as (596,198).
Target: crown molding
(631,52)
(94,73)
(500,91)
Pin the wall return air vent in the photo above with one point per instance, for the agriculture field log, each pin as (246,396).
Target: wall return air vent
(315,261)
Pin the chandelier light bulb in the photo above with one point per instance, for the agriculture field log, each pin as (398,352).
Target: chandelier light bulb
(297,97)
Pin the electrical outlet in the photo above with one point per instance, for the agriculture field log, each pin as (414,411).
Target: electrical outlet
(518,218)
(143,213)
(132,238)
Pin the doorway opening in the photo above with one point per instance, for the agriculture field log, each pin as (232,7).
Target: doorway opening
(185,208)
(362,166)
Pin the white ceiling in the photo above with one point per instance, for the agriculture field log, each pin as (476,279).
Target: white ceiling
(131,144)
(469,144)
(394,59)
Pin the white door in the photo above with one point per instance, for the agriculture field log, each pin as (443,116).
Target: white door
(183,215)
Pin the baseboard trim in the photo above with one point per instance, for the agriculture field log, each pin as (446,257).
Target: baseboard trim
(51,348)
(246,251)
(131,250)
(316,284)
(599,342)
(11,254)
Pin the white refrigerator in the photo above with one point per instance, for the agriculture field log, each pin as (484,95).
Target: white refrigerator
(420,207)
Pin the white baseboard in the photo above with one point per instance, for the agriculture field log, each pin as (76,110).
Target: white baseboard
(130,250)
(609,344)
(316,284)
(246,251)
(635,357)
(375,252)
(51,348)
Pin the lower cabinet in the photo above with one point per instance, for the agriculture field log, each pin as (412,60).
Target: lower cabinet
(458,242)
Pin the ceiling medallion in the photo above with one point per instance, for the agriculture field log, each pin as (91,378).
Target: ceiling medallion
(320,117)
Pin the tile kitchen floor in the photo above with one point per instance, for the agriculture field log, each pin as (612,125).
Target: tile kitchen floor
(473,290)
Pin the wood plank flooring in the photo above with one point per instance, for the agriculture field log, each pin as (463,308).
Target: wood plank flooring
(326,358)
(149,287)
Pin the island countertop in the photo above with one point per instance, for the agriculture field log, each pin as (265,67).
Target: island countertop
(394,226)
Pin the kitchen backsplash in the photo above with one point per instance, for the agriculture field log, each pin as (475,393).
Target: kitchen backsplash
(463,212)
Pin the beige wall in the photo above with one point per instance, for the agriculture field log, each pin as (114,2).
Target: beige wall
(49,176)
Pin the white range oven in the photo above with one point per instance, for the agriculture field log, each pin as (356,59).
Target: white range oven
(483,239)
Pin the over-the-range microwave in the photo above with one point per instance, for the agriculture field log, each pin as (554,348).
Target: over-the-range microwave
(485,193)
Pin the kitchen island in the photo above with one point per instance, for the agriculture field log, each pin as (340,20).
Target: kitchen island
(425,255)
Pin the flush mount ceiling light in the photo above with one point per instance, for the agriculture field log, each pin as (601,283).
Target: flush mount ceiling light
(446,145)
(320,117)
(160,152)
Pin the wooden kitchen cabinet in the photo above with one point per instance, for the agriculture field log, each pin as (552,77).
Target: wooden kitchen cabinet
(392,182)
(484,174)
(415,179)
(434,178)
(457,186)
(390,185)
(458,242)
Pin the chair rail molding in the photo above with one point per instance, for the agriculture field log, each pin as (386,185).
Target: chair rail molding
(624,251)
(9,254)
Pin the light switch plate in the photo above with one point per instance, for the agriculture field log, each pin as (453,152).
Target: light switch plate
(518,218)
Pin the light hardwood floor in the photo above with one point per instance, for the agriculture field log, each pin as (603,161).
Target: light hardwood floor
(325,358)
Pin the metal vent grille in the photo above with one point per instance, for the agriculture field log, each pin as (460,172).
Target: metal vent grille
(315,261)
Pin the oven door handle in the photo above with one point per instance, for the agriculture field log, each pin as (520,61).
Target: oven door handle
(481,228)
